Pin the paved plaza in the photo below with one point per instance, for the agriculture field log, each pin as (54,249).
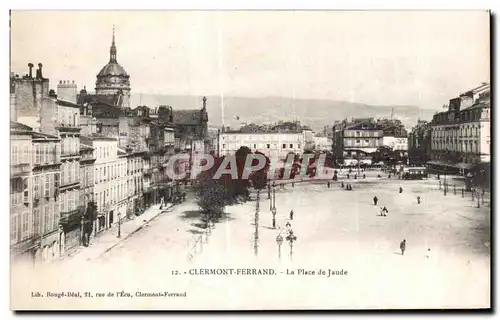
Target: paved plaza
(336,229)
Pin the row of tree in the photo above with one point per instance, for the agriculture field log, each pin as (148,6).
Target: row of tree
(214,194)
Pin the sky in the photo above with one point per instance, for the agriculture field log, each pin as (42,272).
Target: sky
(420,58)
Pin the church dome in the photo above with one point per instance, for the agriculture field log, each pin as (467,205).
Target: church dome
(112,69)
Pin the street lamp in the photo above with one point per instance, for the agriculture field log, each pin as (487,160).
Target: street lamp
(274,195)
(273,210)
(119,225)
(279,241)
(291,238)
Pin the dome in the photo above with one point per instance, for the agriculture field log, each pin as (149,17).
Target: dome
(112,69)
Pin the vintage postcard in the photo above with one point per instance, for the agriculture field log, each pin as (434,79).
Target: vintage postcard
(250,160)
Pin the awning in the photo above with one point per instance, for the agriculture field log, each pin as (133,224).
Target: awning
(438,163)
(463,165)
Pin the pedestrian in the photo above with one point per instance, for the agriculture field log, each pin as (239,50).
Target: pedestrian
(293,184)
(385,211)
(400,190)
(347,176)
(342,184)
(291,215)
(375,200)
(418,199)
(389,175)
(355,176)
(328,183)
(402,246)
(378,176)
(364,176)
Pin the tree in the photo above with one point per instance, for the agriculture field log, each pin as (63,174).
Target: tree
(259,178)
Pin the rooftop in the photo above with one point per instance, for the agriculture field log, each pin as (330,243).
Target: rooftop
(16,126)
(187,117)
(97,137)
(44,136)
(85,147)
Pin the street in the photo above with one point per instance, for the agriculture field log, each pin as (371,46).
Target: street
(336,229)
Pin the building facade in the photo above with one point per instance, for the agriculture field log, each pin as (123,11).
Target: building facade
(272,144)
(45,197)
(354,142)
(110,181)
(461,136)
(22,245)
(419,144)
(395,143)
(87,160)
(71,208)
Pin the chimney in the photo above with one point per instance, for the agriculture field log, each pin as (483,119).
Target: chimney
(40,70)
(30,65)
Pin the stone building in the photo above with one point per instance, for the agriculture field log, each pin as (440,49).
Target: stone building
(113,80)
(72,209)
(419,144)
(87,160)
(461,136)
(45,197)
(110,180)
(272,144)
(191,127)
(22,245)
(354,142)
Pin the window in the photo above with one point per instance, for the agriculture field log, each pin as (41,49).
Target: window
(46,190)
(223,146)
(25,229)
(284,145)
(56,216)
(36,222)
(26,191)
(291,146)
(13,228)
(268,146)
(298,146)
(14,156)
(36,186)
(358,141)
(366,140)
(46,215)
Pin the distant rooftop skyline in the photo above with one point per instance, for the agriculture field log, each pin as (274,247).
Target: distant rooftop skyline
(372,57)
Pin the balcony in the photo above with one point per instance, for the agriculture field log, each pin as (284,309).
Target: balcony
(20,170)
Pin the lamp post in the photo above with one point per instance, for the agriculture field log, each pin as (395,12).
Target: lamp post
(119,224)
(445,183)
(279,241)
(478,196)
(274,195)
(291,238)
(273,210)
(269,189)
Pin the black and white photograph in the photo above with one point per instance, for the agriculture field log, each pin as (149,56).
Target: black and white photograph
(250,160)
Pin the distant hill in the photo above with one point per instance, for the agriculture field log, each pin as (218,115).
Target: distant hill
(315,113)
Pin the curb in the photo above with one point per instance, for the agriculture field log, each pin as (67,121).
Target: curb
(135,231)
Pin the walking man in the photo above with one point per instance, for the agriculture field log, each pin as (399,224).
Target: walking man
(342,184)
(328,184)
(418,199)
(375,200)
(291,215)
(402,246)
(400,190)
